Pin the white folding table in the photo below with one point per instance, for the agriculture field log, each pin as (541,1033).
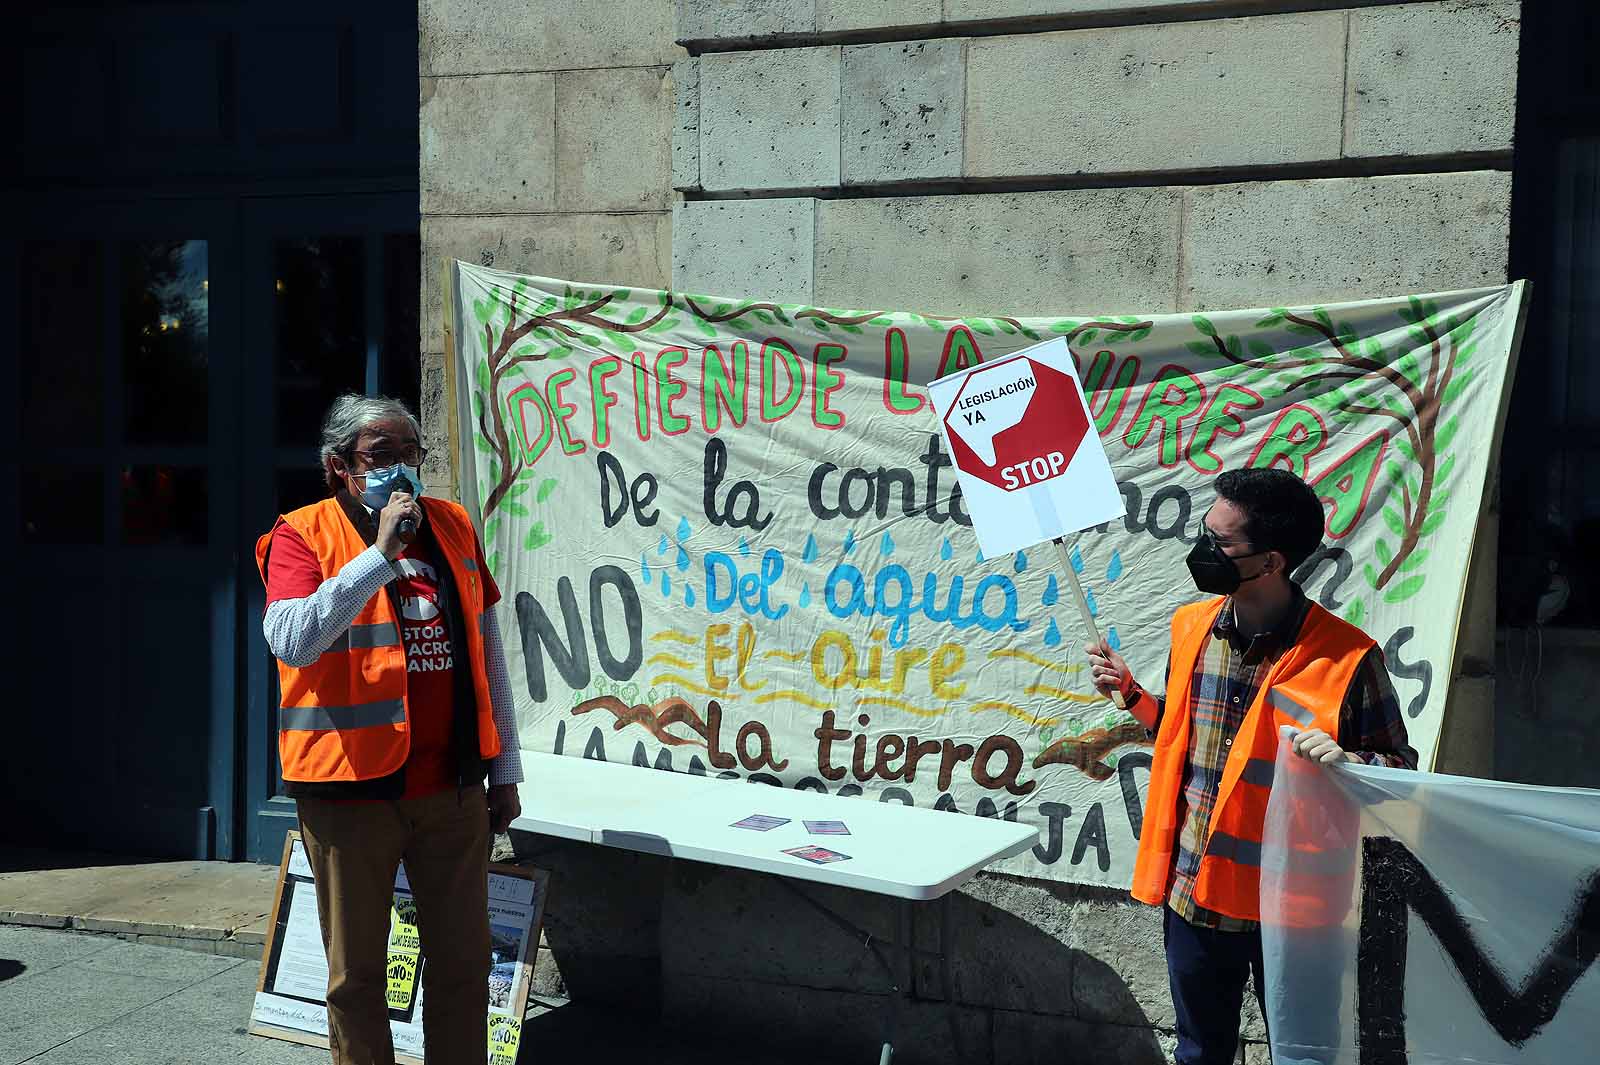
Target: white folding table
(910,854)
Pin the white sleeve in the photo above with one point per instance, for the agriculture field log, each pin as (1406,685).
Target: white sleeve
(299,630)
(507,765)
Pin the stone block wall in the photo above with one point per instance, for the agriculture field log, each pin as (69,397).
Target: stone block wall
(546,147)
(954,156)
(1303,155)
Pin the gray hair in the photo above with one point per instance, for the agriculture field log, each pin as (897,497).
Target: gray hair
(348,416)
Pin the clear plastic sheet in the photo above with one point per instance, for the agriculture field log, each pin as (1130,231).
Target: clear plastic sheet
(1423,918)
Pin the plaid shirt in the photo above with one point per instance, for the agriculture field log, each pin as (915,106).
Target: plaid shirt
(1227,676)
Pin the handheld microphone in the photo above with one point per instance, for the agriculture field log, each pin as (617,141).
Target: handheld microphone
(408,530)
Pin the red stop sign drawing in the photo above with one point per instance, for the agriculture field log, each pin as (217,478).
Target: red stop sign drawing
(1016,423)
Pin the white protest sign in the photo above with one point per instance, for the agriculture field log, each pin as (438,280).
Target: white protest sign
(1030,465)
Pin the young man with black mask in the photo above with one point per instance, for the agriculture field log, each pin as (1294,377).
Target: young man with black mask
(1255,656)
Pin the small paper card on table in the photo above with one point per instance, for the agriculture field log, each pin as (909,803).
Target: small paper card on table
(819,855)
(827,828)
(761,822)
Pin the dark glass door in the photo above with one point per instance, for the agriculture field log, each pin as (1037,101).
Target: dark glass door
(123,529)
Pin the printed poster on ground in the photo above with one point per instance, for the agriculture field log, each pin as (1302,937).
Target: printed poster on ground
(291,1001)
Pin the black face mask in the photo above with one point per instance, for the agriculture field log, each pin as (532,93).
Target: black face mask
(1215,573)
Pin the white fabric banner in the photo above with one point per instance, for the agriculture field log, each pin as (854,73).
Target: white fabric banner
(729,539)
(1428,919)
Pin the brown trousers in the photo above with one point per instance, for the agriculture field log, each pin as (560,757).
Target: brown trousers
(354,849)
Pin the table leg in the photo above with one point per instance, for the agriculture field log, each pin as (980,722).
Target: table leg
(901,971)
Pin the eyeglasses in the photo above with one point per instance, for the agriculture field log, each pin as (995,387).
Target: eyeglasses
(414,455)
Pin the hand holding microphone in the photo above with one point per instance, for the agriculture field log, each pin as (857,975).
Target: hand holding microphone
(397,524)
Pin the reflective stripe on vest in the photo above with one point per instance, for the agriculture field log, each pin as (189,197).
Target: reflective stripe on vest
(1258,771)
(1336,861)
(328,718)
(383,634)
(1306,859)
(1233,849)
(1282,702)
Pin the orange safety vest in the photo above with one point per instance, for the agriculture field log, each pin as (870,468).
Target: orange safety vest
(1304,688)
(345,717)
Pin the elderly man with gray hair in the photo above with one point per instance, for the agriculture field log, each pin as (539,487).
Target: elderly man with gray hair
(395,704)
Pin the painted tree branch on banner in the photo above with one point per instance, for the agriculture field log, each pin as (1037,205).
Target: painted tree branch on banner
(1418,418)
(586,313)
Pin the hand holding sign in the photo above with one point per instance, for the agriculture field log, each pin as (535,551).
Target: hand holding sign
(1107,670)
(1029,461)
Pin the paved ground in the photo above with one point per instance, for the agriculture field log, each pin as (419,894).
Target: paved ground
(89,973)
(214,907)
(70,999)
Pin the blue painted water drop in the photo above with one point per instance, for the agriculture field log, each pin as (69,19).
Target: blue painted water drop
(1052,591)
(1052,635)
(661,548)
(744,547)
(1114,570)
(1094,607)
(1020,563)
(688,595)
(810,554)
(805,596)
(887,547)
(1113,639)
(944,549)
(644,569)
(683,561)
(1077,561)
(666,584)
(683,529)
(849,541)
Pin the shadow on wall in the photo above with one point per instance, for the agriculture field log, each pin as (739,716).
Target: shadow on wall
(773,969)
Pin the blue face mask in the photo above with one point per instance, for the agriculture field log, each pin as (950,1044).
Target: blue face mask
(383,483)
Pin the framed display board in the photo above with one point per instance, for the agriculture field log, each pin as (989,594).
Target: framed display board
(290,998)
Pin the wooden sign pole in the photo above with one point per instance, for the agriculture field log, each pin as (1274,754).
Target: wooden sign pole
(1083,606)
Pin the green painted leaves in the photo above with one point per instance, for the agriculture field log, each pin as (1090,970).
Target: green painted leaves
(1355,611)
(1399,593)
